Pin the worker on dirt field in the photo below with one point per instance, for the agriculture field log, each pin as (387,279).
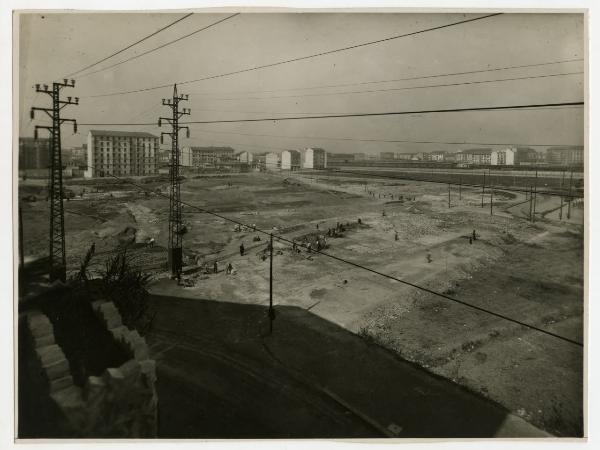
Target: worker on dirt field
(470,240)
(215,267)
(242,249)
(93,248)
(308,247)
(229,269)
(317,226)
(429,259)
(294,246)
(359,221)
(396,236)
(474,235)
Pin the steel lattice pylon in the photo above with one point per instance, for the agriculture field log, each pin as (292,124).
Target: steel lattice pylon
(57,256)
(176,229)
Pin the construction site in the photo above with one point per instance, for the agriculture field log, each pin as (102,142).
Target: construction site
(444,237)
(173,287)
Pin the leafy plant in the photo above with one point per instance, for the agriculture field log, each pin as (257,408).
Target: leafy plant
(125,286)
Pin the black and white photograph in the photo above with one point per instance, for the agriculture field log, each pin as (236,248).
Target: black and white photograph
(243,224)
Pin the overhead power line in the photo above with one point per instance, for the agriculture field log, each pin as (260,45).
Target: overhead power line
(160,46)
(373,114)
(388,141)
(420,77)
(72,74)
(368,269)
(407,88)
(300,58)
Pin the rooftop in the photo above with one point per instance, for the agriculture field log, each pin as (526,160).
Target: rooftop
(140,134)
(213,149)
(477,151)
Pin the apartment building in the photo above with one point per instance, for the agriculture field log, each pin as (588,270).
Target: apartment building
(121,153)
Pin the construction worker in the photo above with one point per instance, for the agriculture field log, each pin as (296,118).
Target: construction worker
(93,248)
(215,267)
(229,269)
(242,249)
(474,235)
(396,236)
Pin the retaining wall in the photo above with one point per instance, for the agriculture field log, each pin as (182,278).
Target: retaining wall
(120,403)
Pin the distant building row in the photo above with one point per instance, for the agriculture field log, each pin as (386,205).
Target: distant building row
(124,153)
(571,155)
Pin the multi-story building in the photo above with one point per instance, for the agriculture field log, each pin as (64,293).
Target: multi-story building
(208,156)
(245,157)
(437,156)
(340,158)
(291,160)
(526,155)
(503,157)
(565,156)
(480,156)
(403,156)
(273,161)
(126,153)
(314,158)
(386,156)
(34,153)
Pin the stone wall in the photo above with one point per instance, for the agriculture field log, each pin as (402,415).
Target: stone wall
(120,403)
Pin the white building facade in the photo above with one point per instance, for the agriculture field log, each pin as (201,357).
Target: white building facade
(291,160)
(121,153)
(314,158)
(273,161)
(504,157)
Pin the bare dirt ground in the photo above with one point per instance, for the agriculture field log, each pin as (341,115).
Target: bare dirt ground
(532,272)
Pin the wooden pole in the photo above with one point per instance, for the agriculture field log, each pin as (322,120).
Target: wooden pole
(569,200)
(271,311)
(534,195)
(483,189)
(460,187)
(448,195)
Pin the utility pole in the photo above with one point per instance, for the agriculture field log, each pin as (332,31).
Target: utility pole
(483,189)
(530,203)
(534,195)
(175,256)
(448,195)
(271,310)
(460,187)
(491,199)
(57,269)
(570,186)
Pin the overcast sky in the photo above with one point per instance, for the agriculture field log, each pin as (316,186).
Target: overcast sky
(54,45)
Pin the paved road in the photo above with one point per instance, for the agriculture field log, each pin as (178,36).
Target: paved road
(222,376)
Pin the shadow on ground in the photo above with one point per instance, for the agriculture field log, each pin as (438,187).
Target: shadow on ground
(222,375)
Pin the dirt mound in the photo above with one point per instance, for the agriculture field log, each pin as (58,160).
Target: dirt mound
(127,235)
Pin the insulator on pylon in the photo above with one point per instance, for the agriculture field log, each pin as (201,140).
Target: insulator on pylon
(187,133)
(31,113)
(75,127)
(69,99)
(35,134)
(65,81)
(73,83)
(162,141)
(45,87)
(37,87)
(159,122)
